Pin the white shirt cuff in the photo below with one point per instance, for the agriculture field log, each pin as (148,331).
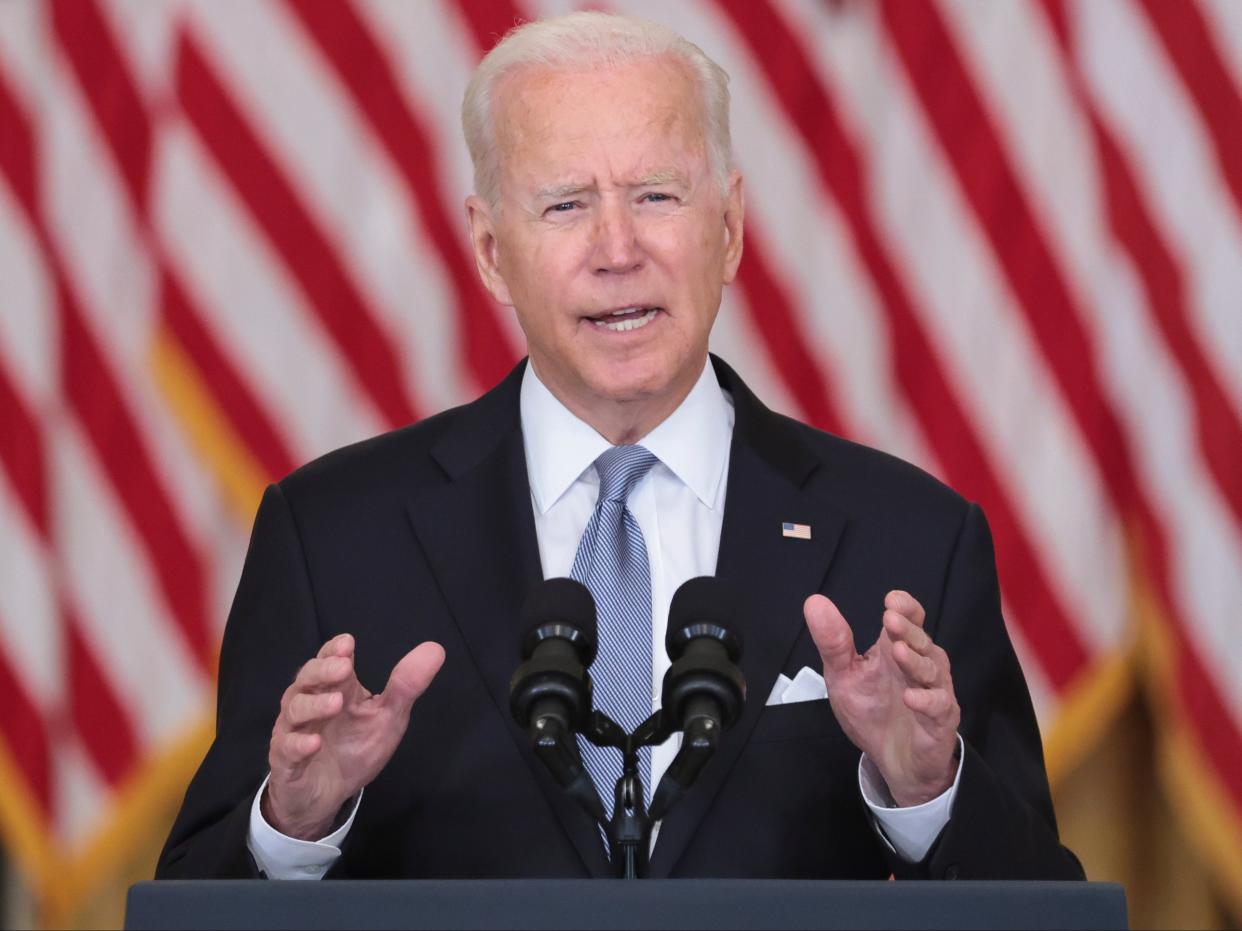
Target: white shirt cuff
(283,857)
(910,832)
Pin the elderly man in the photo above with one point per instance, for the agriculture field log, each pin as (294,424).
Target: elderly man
(609,217)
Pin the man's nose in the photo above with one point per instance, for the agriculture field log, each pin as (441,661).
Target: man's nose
(617,248)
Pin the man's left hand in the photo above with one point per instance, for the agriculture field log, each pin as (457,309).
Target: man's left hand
(896,701)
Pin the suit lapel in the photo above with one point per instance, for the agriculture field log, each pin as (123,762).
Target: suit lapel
(478,535)
(768,468)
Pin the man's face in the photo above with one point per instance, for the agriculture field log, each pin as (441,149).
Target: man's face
(612,239)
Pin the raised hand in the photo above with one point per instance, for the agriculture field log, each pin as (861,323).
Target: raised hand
(333,737)
(896,701)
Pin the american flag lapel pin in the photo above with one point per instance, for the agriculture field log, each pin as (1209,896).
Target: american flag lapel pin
(797,531)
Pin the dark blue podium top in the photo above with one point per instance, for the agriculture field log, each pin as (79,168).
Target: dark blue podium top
(694,903)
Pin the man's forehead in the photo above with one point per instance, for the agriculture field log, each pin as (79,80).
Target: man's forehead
(645,118)
(536,101)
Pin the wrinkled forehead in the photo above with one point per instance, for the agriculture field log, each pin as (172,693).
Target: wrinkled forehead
(544,115)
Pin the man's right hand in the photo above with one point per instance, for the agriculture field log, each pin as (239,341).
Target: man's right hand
(333,737)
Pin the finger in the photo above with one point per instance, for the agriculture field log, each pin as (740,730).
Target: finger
(301,747)
(340,645)
(412,675)
(831,634)
(318,674)
(313,708)
(292,750)
(907,604)
(937,707)
(920,671)
(900,628)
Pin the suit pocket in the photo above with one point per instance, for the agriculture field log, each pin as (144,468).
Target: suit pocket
(797,721)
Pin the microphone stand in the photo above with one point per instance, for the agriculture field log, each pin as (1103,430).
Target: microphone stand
(629,831)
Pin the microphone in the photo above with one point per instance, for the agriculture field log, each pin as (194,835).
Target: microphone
(550,693)
(704,690)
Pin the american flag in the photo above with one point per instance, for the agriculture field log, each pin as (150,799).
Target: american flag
(797,531)
(999,238)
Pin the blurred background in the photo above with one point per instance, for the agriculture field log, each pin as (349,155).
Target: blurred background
(999,238)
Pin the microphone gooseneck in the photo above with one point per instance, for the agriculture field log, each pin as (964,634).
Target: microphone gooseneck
(704,690)
(550,693)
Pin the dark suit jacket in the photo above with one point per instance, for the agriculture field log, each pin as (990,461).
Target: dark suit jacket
(427,533)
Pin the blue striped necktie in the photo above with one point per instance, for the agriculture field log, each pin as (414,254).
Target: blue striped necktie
(612,562)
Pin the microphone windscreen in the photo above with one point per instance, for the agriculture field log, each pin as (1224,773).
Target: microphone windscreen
(703,600)
(562,601)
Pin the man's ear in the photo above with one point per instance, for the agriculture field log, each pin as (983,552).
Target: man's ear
(486,247)
(735,212)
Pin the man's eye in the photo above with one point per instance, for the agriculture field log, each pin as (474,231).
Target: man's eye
(655,197)
(563,207)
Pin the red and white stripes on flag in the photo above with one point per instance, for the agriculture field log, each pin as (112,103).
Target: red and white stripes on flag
(1000,239)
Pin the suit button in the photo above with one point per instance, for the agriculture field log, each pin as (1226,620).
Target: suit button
(950,871)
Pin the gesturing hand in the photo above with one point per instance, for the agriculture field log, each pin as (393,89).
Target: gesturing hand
(333,737)
(896,701)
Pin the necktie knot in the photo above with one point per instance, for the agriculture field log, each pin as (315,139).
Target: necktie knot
(620,469)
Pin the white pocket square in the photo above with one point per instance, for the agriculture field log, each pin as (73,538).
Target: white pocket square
(807,685)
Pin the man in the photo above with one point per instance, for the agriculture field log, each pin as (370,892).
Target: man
(609,217)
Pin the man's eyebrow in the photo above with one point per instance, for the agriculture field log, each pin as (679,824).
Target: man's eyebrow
(572,188)
(667,176)
(562,190)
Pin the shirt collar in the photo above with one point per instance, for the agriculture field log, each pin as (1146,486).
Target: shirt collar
(692,442)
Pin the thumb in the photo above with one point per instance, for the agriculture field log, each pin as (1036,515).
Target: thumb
(831,633)
(411,676)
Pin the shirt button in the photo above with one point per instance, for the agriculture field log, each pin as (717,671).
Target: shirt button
(312,870)
(951,871)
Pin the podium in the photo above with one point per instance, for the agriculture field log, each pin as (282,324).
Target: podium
(603,903)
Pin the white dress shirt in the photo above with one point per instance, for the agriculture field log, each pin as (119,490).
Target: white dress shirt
(679,507)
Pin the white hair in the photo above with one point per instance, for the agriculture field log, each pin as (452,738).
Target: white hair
(588,39)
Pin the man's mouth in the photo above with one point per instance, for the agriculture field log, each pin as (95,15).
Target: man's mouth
(627,318)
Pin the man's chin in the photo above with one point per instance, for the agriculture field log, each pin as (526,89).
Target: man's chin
(633,379)
(629,385)
(642,379)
